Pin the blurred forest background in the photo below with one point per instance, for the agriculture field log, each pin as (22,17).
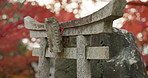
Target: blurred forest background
(16,46)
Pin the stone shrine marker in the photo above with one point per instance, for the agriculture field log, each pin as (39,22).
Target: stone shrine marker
(95,24)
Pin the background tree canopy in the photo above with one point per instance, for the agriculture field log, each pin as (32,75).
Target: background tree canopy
(15,56)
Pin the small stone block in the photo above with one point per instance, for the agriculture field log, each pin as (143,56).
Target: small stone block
(98,52)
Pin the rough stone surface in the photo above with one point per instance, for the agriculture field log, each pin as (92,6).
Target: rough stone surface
(65,68)
(95,23)
(44,62)
(124,62)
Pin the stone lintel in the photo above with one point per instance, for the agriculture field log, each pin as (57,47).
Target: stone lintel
(71,53)
(111,11)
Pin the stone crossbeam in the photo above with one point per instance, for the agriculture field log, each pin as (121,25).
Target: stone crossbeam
(92,53)
(98,22)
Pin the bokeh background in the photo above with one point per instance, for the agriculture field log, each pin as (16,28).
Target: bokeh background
(16,45)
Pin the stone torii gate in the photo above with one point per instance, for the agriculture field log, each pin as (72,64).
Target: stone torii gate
(94,24)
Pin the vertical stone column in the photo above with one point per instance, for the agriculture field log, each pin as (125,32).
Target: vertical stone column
(44,62)
(83,65)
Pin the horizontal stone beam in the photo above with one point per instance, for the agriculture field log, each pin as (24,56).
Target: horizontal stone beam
(94,28)
(68,53)
(92,53)
(38,33)
(98,22)
(111,11)
(98,53)
(32,24)
(90,29)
